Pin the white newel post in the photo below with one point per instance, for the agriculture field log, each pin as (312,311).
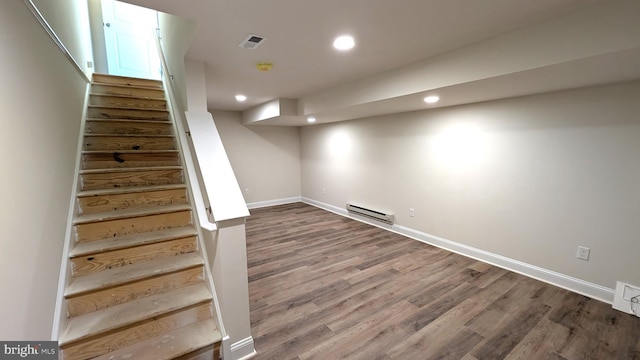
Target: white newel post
(231,278)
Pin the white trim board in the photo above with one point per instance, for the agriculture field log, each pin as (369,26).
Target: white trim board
(570,283)
(243,349)
(261,204)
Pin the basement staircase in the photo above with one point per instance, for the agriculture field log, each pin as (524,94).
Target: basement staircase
(138,288)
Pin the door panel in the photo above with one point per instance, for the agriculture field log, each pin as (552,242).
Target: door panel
(129,36)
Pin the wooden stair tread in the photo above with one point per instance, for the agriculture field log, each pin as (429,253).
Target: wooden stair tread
(122,242)
(130,273)
(132,169)
(129,86)
(129,135)
(109,319)
(129,213)
(126,151)
(171,345)
(124,96)
(136,121)
(119,89)
(129,190)
(126,108)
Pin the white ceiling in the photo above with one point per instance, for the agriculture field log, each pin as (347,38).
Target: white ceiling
(389,34)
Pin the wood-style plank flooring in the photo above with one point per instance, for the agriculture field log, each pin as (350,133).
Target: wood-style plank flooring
(326,287)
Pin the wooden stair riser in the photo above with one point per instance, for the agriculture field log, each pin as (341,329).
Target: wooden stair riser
(132,114)
(123,90)
(129,226)
(113,259)
(115,159)
(93,143)
(127,102)
(132,127)
(110,180)
(102,299)
(110,202)
(139,332)
(137,239)
(121,80)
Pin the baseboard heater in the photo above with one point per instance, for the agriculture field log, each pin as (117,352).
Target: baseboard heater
(371,214)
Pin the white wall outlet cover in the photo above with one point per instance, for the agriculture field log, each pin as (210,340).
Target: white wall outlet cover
(583,253)
(623,295)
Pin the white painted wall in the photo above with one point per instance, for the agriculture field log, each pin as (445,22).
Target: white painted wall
(70,21)
(528,178)
(97,37)
(196,85)
(176,34)
(266,160)
(41,98)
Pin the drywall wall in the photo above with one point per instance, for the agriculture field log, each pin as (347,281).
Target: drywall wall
(41,98)
(97,37)
(266,160)
(528,178)
(196,85)
(70,21)
(176,34)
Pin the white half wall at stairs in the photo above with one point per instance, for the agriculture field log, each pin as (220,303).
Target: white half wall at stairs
(221,186)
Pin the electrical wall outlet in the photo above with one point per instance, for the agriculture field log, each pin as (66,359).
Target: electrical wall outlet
(324,191)
(412,212)
(583,253)
(629,292)
(622,300)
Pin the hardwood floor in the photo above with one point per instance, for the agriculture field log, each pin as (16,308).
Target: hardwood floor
(326,287)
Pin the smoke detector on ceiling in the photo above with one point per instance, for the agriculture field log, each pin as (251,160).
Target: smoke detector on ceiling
(252,41)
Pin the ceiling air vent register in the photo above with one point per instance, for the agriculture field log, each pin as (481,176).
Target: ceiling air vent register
(252,41)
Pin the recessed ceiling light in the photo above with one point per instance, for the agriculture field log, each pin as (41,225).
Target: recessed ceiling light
(240,98)
(432,99)
(344,42)
(311,119)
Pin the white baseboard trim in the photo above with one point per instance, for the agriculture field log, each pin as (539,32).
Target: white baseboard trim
(243,349)
(261,204)
(570,283)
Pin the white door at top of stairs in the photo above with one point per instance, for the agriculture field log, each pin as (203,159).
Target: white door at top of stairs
(129,32)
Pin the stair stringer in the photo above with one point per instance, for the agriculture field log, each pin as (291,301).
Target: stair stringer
(59,317)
